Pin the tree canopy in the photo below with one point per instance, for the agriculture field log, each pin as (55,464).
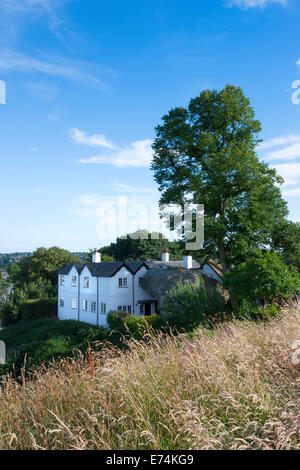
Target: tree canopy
(264,278)
(141,245)
(205,154)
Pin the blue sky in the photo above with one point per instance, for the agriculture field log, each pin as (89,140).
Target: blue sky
(88,80)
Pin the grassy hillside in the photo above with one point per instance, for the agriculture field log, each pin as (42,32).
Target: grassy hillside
(234,389)
(41,340)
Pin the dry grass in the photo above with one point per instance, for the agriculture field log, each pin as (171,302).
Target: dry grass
(235,390)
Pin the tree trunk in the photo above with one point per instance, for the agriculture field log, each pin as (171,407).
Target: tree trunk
(226,269)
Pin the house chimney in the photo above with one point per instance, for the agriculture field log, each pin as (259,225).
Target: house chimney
(187,262)
(165,256)
(96,256)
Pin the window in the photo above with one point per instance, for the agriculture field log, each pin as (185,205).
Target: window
(122,281)
(120,308)
(84,305)
(140,281)
(103,308)
(62,302)
(74,281)
(74,303)
(141,308)
(93,306)
(129,308)
(124,308)
(62,280)
(86,282)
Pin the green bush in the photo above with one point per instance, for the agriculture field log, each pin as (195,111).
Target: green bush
(115,319)
(44,339)
(188,306)
(137,326)
(264,278)
(35,309)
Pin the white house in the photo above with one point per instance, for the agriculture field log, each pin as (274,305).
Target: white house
(88,291)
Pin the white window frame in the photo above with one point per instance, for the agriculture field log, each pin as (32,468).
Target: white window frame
(125,308)
(141,309)
(84,305)
(140,281)
(93,306)
(62,280)
(74,303)
(103,307)
(62,302)
(125,282)
(86,282)
(74,281)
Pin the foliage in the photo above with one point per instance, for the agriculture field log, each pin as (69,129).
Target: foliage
(115,319)
(286,241)
(104,257)
(39,308)
(263,278)
(142,246)
(207,151)
(41,267)
(136,326)
(188,306)
(44,339)
(232,389)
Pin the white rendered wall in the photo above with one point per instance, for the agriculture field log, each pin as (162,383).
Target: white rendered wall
(68,292)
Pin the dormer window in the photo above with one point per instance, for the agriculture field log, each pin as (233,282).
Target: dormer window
(74,281)
(86,282)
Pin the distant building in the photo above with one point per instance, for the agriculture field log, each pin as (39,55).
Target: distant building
(88,291)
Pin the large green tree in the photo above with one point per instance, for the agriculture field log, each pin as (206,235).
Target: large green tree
(141,245)
(43,265)
(205,153)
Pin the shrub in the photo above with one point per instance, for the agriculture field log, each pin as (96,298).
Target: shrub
(115,319)
(44,339)
(34,309)
(264,278)
(188,305)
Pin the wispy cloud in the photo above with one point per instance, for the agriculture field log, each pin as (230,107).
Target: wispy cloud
(135,154)
(126,188)
(70,70)
(254,3)
(284,148)
(94,140)
(282,140)
(31,6)
(290,172)
(44,92)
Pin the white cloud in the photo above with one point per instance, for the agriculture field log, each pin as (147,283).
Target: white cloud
(31,6)
(283,140)
(287,153)
(135,154)
(94,140)
(254,3)
(290,172)
(70,70)
(126,188)
(285,147)
(295,192)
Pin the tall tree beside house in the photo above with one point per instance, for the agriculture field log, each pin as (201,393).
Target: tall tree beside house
(40,268)
(141,245)
(206,152)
